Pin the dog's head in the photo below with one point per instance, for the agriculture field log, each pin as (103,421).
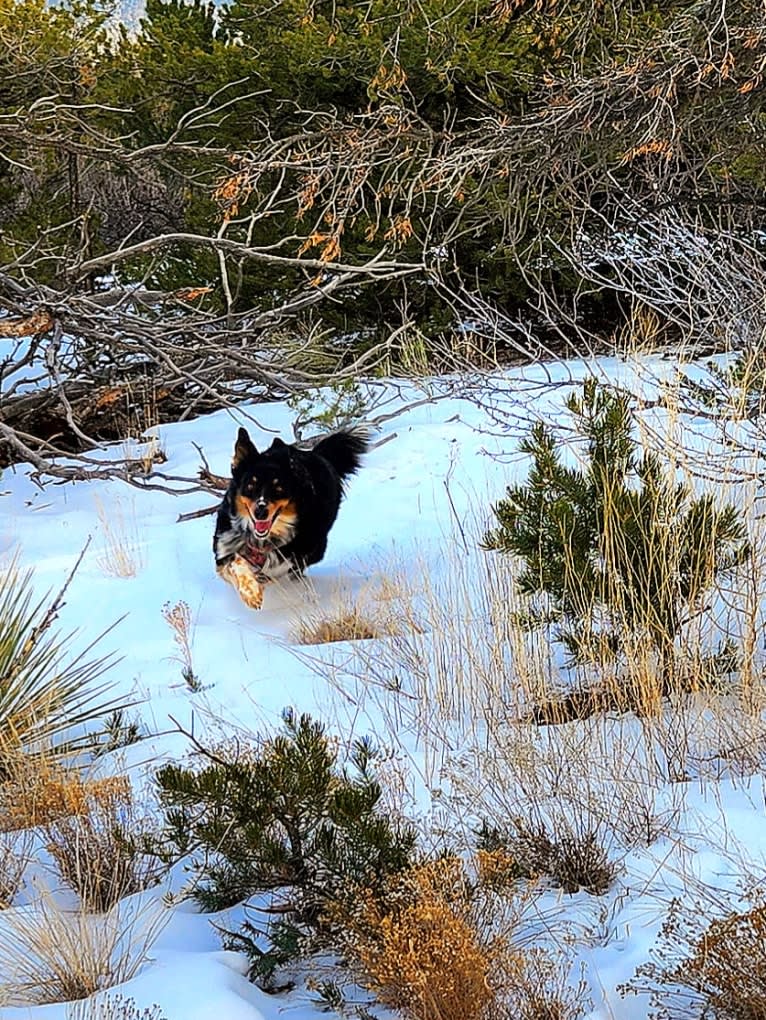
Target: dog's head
(262,490)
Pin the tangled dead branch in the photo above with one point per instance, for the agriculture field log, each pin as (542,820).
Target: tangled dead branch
(624,181)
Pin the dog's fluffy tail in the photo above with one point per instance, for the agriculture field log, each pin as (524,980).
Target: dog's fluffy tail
(344,449)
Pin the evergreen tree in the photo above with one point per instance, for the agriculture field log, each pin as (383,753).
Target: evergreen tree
(615,547)
(286,817)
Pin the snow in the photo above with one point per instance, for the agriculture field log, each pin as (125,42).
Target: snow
(418,506)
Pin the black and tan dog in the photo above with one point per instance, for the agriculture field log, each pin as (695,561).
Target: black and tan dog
(279,508)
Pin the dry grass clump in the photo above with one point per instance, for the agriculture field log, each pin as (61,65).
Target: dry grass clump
(111,1007)
(571,860)
(51,955)
(470,679)
(348,625)
(14,856)
(639,686)
(372,614)
(122,552)
(713,968)
(93,830)
(98,852)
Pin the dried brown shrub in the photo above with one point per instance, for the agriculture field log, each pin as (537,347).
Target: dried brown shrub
(572,859)
(38,789)
(715,968)
(497,869)
(98,851)
(420,949)
(439,945)
(729,962)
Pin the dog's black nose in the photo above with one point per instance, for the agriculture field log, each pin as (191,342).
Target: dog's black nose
(261,511)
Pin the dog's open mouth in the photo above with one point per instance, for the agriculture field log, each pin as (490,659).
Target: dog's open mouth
(262,528)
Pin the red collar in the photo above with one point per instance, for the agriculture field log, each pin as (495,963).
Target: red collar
(256,555)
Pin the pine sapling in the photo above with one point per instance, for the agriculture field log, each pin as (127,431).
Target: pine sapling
(613,551)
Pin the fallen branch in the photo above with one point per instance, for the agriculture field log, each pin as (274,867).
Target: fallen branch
(194,514)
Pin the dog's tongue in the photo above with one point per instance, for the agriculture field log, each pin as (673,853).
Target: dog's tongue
(262,527)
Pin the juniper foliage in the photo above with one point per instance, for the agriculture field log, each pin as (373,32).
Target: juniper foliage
(613,547)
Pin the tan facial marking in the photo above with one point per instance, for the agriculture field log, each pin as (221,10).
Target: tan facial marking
(284,509)
(286,519)
(243,505)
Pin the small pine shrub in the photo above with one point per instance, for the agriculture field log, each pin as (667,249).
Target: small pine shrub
(704,967)
(287,816)
(340,404)
(100,851)
(118,731)
(735,390)
(613,551)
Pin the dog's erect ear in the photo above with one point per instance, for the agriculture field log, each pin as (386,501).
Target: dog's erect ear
(242,448)
(279,444)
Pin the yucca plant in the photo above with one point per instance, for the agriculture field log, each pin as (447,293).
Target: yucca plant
(44,694)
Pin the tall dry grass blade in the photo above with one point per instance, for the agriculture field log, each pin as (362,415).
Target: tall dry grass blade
(122,552)
(48,954)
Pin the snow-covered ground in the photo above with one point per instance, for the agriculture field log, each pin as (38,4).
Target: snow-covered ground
(418,506)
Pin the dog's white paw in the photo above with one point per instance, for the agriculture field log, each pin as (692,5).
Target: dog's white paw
(240,574)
